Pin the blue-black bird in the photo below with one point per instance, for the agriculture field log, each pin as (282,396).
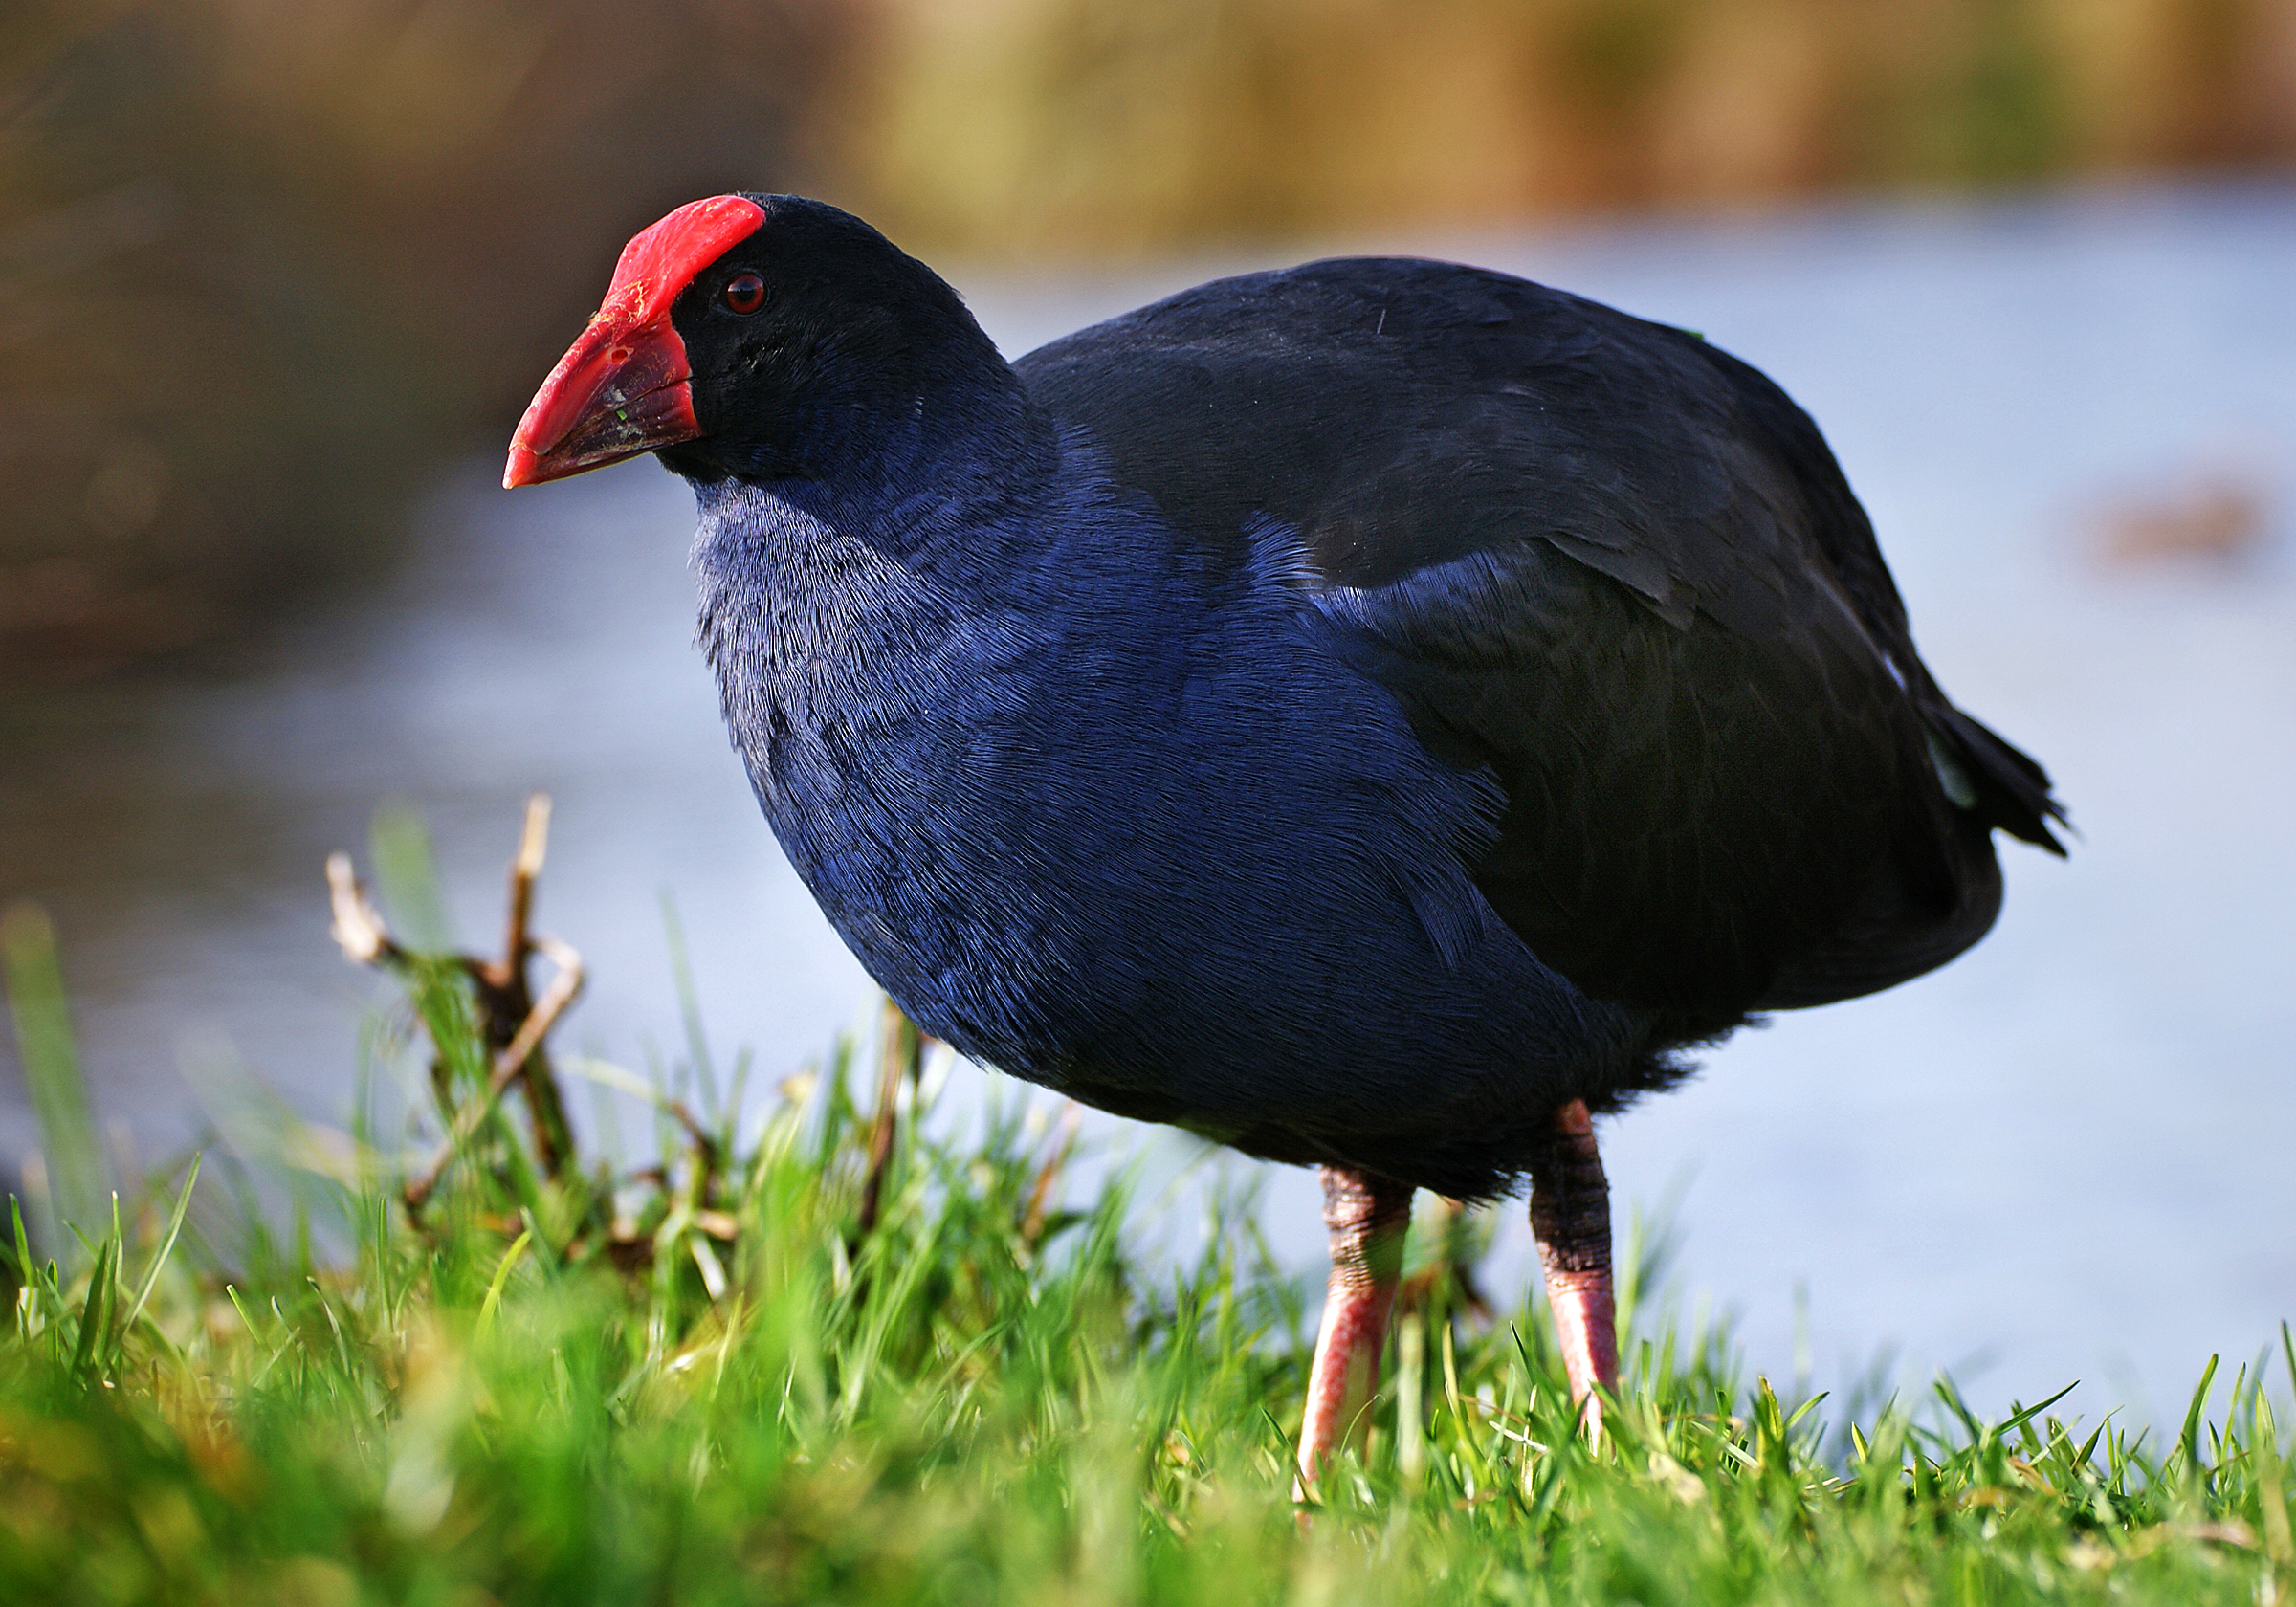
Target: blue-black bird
(1375,714)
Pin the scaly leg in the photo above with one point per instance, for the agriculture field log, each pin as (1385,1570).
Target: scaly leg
(1570,1217)
(1367,1216)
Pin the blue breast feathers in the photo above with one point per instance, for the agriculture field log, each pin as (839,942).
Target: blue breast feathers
(1118,823)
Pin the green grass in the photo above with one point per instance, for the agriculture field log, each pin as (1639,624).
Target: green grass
(698,1382)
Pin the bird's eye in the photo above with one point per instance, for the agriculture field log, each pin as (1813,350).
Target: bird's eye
(744,293)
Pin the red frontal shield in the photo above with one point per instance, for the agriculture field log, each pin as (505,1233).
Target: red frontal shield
(622,389)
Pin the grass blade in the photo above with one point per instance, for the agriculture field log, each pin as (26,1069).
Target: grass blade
(2188,1438)
(175,1226)
(501,1279)
(92,1312)
(51,1073)
(407,875)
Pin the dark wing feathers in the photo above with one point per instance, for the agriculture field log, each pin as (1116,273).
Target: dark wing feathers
(1614,569)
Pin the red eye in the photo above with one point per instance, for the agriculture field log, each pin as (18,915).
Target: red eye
(745,293)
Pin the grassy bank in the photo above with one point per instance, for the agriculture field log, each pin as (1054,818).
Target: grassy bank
(706,1379)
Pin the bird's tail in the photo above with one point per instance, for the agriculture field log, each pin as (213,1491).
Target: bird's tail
(2011,790)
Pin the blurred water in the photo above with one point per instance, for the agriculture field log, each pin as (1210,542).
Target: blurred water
(2066,1155)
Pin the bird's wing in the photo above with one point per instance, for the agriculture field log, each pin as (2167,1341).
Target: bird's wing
(1613,568)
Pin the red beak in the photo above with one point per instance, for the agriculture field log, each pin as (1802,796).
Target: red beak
(621,389)
(623,386)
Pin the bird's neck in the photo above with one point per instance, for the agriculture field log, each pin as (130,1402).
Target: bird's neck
(957,497)
(881,643)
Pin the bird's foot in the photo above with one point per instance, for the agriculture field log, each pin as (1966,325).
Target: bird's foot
(1367,1216)
(1570,1217)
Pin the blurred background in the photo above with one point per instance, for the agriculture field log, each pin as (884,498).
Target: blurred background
(277,277)
(265,264)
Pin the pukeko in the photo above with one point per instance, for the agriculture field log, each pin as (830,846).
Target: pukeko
(1375,714)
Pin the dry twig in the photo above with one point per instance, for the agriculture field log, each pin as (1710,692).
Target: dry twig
(1418,1289)
(902,1053)
(1033,1220)
(512,1019)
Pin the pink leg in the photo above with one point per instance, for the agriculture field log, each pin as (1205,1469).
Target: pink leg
(1367,1216)
(1570,1217)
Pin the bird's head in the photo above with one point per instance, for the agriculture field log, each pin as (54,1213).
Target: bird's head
(758,335)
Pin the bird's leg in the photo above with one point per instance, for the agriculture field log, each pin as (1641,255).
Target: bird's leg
(1570,1217)
(1367,1216)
